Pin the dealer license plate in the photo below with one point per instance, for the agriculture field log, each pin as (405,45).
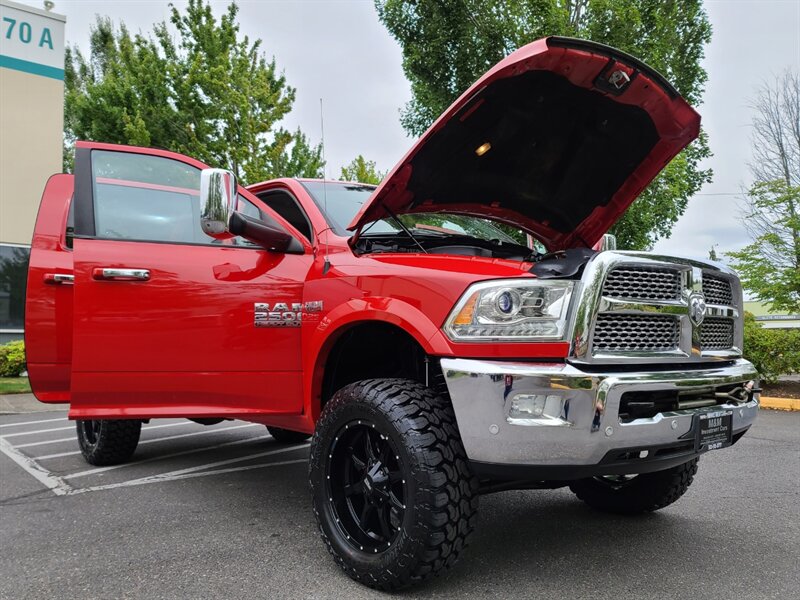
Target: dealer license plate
(714,430)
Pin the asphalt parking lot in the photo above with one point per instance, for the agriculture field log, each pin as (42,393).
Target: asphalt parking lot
(223,512)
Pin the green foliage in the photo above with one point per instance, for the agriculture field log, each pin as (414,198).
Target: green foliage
(448,44)
(12,359)
(770,266)
(361,170)
(774,352)
(196,87)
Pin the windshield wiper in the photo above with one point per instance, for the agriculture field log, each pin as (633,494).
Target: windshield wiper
(403,227)
(431,232)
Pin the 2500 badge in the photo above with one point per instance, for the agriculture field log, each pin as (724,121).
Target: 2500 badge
(280,314)
(283,314)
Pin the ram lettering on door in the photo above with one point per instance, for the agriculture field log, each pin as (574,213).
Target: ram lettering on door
(280,314)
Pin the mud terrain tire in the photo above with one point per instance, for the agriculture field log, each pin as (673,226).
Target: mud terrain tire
(108,442)
(392,492)
(642,493)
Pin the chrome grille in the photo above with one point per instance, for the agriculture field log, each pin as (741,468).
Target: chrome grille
(636,333)
(716,334)
(643,283)
(717,290)
(644,308)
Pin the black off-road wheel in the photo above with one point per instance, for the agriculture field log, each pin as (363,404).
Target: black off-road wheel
(108,442)
(391,487)
(636,494)
(285,436)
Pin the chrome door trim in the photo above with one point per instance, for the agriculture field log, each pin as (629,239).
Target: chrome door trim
(115,274)
(59,279)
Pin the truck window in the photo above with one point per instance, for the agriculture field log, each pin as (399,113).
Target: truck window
(286,206)
(151,198)
(141,197)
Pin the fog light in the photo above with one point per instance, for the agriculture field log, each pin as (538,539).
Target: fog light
(525,406)
(538,410)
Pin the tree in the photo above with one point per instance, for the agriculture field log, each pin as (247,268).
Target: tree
(196,87)
(770,265)
(448,44)
(361,170)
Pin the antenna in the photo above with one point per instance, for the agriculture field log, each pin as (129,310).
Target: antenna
(327,264)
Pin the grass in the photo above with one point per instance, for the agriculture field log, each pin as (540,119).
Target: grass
(14,385)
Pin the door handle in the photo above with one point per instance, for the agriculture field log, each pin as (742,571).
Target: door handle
(112,274)
(59,279)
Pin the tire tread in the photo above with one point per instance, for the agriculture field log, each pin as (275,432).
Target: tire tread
(448,512)
(646,493)
(116,443)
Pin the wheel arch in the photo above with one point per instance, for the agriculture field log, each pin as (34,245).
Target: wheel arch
(389,328)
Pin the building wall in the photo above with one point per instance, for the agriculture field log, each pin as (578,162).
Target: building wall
(31,140)
(770,319)
(32,122)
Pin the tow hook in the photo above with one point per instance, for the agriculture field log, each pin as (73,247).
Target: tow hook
(740,394)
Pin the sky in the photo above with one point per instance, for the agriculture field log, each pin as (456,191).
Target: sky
(338,51)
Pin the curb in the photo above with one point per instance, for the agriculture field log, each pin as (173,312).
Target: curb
(780,403)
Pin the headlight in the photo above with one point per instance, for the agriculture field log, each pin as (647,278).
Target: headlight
(511,310)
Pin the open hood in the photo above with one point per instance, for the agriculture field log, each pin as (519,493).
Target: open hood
(557,139)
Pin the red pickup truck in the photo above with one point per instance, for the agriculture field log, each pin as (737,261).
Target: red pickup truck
(454,331)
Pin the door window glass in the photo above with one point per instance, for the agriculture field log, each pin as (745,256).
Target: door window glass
(151,198)
(286,206)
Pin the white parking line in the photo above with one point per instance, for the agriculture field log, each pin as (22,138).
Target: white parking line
(60,487)
(163,439)
(227,461)
(34,422)
(112,486)
(58,441)
(37,431)
(194,471)
(43,476)
(135,463)
(69,439)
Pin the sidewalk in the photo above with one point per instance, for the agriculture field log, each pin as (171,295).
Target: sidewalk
(11,404)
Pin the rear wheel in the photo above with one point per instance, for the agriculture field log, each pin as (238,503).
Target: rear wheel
(392,492)
(108,442)
(634,494)
(285,436)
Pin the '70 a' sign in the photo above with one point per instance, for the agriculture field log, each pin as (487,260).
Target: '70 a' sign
(31,40)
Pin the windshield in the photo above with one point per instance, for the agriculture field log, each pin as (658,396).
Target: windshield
(342,201)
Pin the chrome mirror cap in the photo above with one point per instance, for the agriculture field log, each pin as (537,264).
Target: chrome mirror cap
(609,242)
(218,202)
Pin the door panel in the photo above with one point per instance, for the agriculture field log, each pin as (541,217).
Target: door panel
(181,341)
(49,296)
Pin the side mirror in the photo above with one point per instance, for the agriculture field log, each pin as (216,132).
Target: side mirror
(220,220)
(218,202)
(608,242)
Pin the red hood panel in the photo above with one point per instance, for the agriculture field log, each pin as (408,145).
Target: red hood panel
(558,139)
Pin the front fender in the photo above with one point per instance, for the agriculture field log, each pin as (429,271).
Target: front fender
(319,340)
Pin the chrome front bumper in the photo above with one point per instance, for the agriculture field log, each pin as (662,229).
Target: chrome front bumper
(579,423)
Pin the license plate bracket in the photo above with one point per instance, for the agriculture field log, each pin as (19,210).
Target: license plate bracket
(714,430)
